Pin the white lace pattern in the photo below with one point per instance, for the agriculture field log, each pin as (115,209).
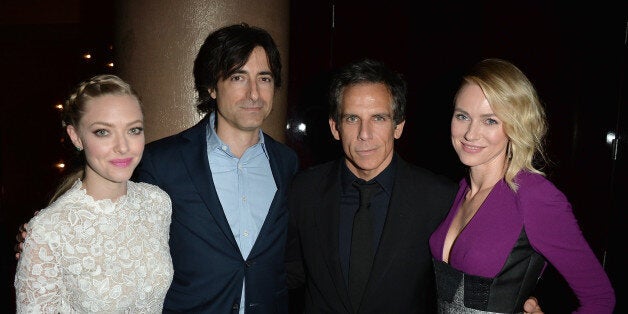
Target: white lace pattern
(87,256)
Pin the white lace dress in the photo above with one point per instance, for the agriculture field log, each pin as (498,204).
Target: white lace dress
(87,256)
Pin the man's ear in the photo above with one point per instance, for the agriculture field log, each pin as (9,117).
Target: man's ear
(334,130)
(212,93)
(76,140)
(399,129)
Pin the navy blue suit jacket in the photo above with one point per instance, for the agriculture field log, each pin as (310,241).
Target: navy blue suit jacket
(208,266)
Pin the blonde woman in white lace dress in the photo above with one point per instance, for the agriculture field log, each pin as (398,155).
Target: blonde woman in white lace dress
(101,246)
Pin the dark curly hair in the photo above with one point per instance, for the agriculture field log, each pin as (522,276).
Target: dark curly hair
(224,52)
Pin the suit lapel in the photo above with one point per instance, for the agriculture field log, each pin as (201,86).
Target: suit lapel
(275,168)
(327,224)
(395,229)
(194,157)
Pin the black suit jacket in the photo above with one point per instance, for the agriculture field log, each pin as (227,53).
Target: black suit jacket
(208,266)
(402,278)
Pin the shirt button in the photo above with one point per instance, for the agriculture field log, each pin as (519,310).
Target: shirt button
(246,233)
(248,264)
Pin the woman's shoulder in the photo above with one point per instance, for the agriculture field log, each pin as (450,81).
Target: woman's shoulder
(536,187)
(530,181)
(149,196)
(147,190)
(72,198)
(63,209)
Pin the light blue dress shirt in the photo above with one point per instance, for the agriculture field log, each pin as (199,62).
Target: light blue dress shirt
(245,186)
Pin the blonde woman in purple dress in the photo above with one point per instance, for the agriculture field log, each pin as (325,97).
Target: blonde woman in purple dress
(508,220)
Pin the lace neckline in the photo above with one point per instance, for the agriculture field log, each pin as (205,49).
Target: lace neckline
(106,205)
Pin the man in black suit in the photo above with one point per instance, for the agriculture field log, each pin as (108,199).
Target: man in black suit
(367,114)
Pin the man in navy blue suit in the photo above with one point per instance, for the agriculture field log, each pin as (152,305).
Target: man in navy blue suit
(227,180)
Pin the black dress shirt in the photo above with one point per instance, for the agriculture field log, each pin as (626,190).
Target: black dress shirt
(349,203)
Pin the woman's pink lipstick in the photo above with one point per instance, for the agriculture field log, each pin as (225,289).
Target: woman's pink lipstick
(122,162)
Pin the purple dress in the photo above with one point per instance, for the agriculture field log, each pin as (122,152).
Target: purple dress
(538,216)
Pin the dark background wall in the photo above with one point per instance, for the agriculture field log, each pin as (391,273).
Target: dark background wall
(575,54)
(42,44)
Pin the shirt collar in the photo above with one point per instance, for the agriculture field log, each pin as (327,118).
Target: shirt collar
(214,142)
(385,179)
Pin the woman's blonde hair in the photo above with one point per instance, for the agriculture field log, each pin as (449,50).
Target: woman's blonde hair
(74,109)
(515,102)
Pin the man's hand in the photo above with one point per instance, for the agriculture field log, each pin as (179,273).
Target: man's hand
(532,306)
(19,237)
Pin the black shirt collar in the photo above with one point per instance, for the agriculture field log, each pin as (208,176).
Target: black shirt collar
(385,179)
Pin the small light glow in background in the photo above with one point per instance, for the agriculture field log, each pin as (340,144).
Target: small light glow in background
(610,136)
(300,127)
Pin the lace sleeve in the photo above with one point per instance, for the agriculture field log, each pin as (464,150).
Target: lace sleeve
(37,277)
